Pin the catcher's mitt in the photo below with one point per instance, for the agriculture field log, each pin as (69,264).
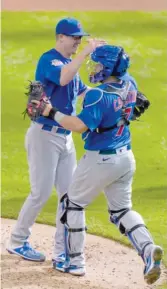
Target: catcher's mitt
(37,100)
(142,103)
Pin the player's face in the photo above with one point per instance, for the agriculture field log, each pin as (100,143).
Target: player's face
(93,67)
(71,43)
(94,70)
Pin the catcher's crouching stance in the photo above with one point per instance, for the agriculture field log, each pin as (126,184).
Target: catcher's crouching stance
(108,163)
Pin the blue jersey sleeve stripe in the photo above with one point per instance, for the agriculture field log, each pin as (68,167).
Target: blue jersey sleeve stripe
(93,103)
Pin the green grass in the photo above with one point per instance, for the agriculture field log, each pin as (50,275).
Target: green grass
(163,286)
(24,37)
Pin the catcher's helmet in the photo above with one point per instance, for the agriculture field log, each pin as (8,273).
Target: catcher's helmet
(114,60)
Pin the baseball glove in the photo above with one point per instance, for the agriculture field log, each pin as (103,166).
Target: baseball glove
(142,103)
(37,100)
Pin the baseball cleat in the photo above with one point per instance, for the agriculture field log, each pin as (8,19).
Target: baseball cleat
(27,253)
(72,269)
(76,270)
(59,263)
(59,258)
(60,266)
(152,269)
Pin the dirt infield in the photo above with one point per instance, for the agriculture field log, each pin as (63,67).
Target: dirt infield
(109,265)
(80,5)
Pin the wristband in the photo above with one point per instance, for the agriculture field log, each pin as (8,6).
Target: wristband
(52,112)
(59,116)
(56,115)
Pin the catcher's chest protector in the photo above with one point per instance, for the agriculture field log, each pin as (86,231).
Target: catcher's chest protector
(122,93)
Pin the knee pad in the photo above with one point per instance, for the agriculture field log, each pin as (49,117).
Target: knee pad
(131,224)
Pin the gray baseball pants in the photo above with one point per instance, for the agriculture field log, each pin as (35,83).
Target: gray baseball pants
(52,162)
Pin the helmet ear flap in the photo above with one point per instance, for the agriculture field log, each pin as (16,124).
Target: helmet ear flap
(107,72)
(122,64)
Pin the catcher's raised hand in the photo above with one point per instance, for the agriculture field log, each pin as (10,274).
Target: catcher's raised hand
(37,100)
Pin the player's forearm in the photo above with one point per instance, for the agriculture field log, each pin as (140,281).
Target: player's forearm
(72,123)
(70,70)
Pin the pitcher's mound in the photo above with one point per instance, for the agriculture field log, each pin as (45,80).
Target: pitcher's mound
(109,265)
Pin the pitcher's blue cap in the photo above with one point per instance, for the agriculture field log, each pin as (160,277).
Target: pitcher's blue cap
(70,27)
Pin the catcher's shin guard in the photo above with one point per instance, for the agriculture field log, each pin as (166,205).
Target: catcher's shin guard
(74,221)
(63,202)
(132,225)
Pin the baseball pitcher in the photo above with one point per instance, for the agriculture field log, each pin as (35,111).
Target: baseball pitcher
(50,147)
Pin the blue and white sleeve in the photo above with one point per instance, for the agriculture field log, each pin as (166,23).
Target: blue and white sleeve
(92,112)
(52,70)
(82,87)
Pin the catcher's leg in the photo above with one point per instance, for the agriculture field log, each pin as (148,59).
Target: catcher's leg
(84,188)
(132,225)
(42,158)
(65,169)
(74,222)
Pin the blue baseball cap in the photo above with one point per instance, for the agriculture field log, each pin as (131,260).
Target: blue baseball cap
(70,27)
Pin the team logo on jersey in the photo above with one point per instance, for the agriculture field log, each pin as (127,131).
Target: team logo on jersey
(56,62)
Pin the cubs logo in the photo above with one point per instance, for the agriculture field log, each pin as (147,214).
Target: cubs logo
(79,25)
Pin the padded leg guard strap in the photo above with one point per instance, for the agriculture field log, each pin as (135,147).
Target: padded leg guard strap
(74,221)
(132,225)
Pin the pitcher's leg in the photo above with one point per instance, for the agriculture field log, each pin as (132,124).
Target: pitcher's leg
(42,165)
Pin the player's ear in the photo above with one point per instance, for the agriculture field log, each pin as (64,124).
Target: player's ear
(62,37)
(59,37)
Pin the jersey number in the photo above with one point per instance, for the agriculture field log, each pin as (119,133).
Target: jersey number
(121,128)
